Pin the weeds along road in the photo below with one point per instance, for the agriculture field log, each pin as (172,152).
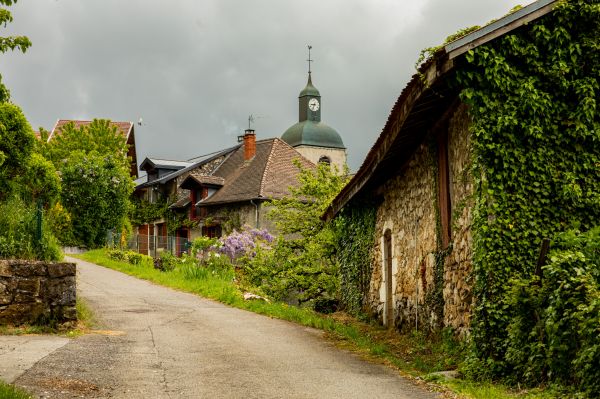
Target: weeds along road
(160,343)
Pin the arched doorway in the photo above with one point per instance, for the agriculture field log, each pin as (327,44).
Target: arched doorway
(387,264)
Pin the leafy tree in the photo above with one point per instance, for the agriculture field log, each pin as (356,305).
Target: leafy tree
(96,190)
(300,267)
(99,136)
(16,146)
(21,43)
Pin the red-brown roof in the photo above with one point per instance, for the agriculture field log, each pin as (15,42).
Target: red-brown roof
(266,176)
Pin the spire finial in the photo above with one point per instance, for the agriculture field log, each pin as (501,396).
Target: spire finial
(309,59)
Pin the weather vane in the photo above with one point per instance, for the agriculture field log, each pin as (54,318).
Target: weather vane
(309,60)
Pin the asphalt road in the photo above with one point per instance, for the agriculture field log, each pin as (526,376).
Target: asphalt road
(161,343)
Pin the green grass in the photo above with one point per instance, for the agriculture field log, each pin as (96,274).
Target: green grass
(8,391)
(414,354)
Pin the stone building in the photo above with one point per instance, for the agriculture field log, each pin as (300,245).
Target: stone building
(417,176)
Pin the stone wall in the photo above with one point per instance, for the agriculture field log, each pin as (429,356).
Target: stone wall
(458,265)
(409,211)
(32,292)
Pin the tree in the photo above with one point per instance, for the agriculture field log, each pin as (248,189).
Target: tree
(96,191)
(99,136)
(16,146)
(21,43)
(300,267)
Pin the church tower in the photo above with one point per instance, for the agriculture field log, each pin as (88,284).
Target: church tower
(310,137)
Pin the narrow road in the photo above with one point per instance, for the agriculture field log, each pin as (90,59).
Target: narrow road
(161,343)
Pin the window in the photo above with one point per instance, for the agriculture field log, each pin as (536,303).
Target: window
(325,159)
(211,231)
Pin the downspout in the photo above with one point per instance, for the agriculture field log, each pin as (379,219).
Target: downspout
(256,212)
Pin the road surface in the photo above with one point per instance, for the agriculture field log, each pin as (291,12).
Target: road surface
(161,343)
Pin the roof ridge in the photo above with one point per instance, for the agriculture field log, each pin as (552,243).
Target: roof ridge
(267,165)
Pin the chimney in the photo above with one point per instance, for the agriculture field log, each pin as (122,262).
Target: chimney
(249,144)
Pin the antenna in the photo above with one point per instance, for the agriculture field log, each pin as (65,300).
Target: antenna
(309,59)
(250,121)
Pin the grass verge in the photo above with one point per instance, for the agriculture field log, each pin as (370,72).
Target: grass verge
(8,391)
(413,354)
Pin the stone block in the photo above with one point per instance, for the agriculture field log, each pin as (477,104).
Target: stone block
(19,313)
(61,269)
(29,287)
(32,269)
(5,269)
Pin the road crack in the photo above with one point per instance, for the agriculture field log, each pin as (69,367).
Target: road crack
(164,382)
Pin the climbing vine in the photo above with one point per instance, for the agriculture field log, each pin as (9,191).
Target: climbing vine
(533,96)
(355,234)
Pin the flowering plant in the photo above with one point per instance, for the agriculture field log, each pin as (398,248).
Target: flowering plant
(245,242)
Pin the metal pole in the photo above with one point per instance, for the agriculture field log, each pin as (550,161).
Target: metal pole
(38,217)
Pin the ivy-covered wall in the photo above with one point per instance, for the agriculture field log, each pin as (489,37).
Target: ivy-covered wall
(533,96)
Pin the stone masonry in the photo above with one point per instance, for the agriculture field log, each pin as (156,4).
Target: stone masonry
(36,292)
(408,211)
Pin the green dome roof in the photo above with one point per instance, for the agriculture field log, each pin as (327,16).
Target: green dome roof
(309,90)
(312,133)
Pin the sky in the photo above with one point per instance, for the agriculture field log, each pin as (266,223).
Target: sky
(194,70)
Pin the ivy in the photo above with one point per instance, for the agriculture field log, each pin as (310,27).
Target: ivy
(354,229)
(533,98)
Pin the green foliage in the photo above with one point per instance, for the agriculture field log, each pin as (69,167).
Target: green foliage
(40,181)
(131,257)
(143,211)
(18,233)
(300,267)
(553,335)
(355,234)
(59,222)
(533,97)
(96,191)
(16,146)
(99,136)
(21,43)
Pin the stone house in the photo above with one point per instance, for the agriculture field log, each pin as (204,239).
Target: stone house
(219,193)
(417,176)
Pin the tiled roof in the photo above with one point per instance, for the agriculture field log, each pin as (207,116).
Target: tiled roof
(198,162)
(182,203)
(124,127)
(268,175)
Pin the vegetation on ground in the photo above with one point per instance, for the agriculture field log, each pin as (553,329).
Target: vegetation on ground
(8,391)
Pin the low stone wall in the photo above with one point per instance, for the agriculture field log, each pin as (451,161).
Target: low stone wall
(36,292)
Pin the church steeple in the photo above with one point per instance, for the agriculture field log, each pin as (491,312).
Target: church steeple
(309,98)
(312,138)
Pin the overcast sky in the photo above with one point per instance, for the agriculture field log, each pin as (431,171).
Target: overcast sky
(195,69)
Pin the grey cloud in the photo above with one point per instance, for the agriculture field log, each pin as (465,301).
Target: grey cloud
(195,70)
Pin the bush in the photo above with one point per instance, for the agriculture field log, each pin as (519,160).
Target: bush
(134,258)
(18,235)
(117,254)
(553,336)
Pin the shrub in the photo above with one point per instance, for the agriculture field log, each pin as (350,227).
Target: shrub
(553,335)
(18,233)
(117,254)
(133,257)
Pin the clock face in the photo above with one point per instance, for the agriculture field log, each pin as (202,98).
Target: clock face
(313,104)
